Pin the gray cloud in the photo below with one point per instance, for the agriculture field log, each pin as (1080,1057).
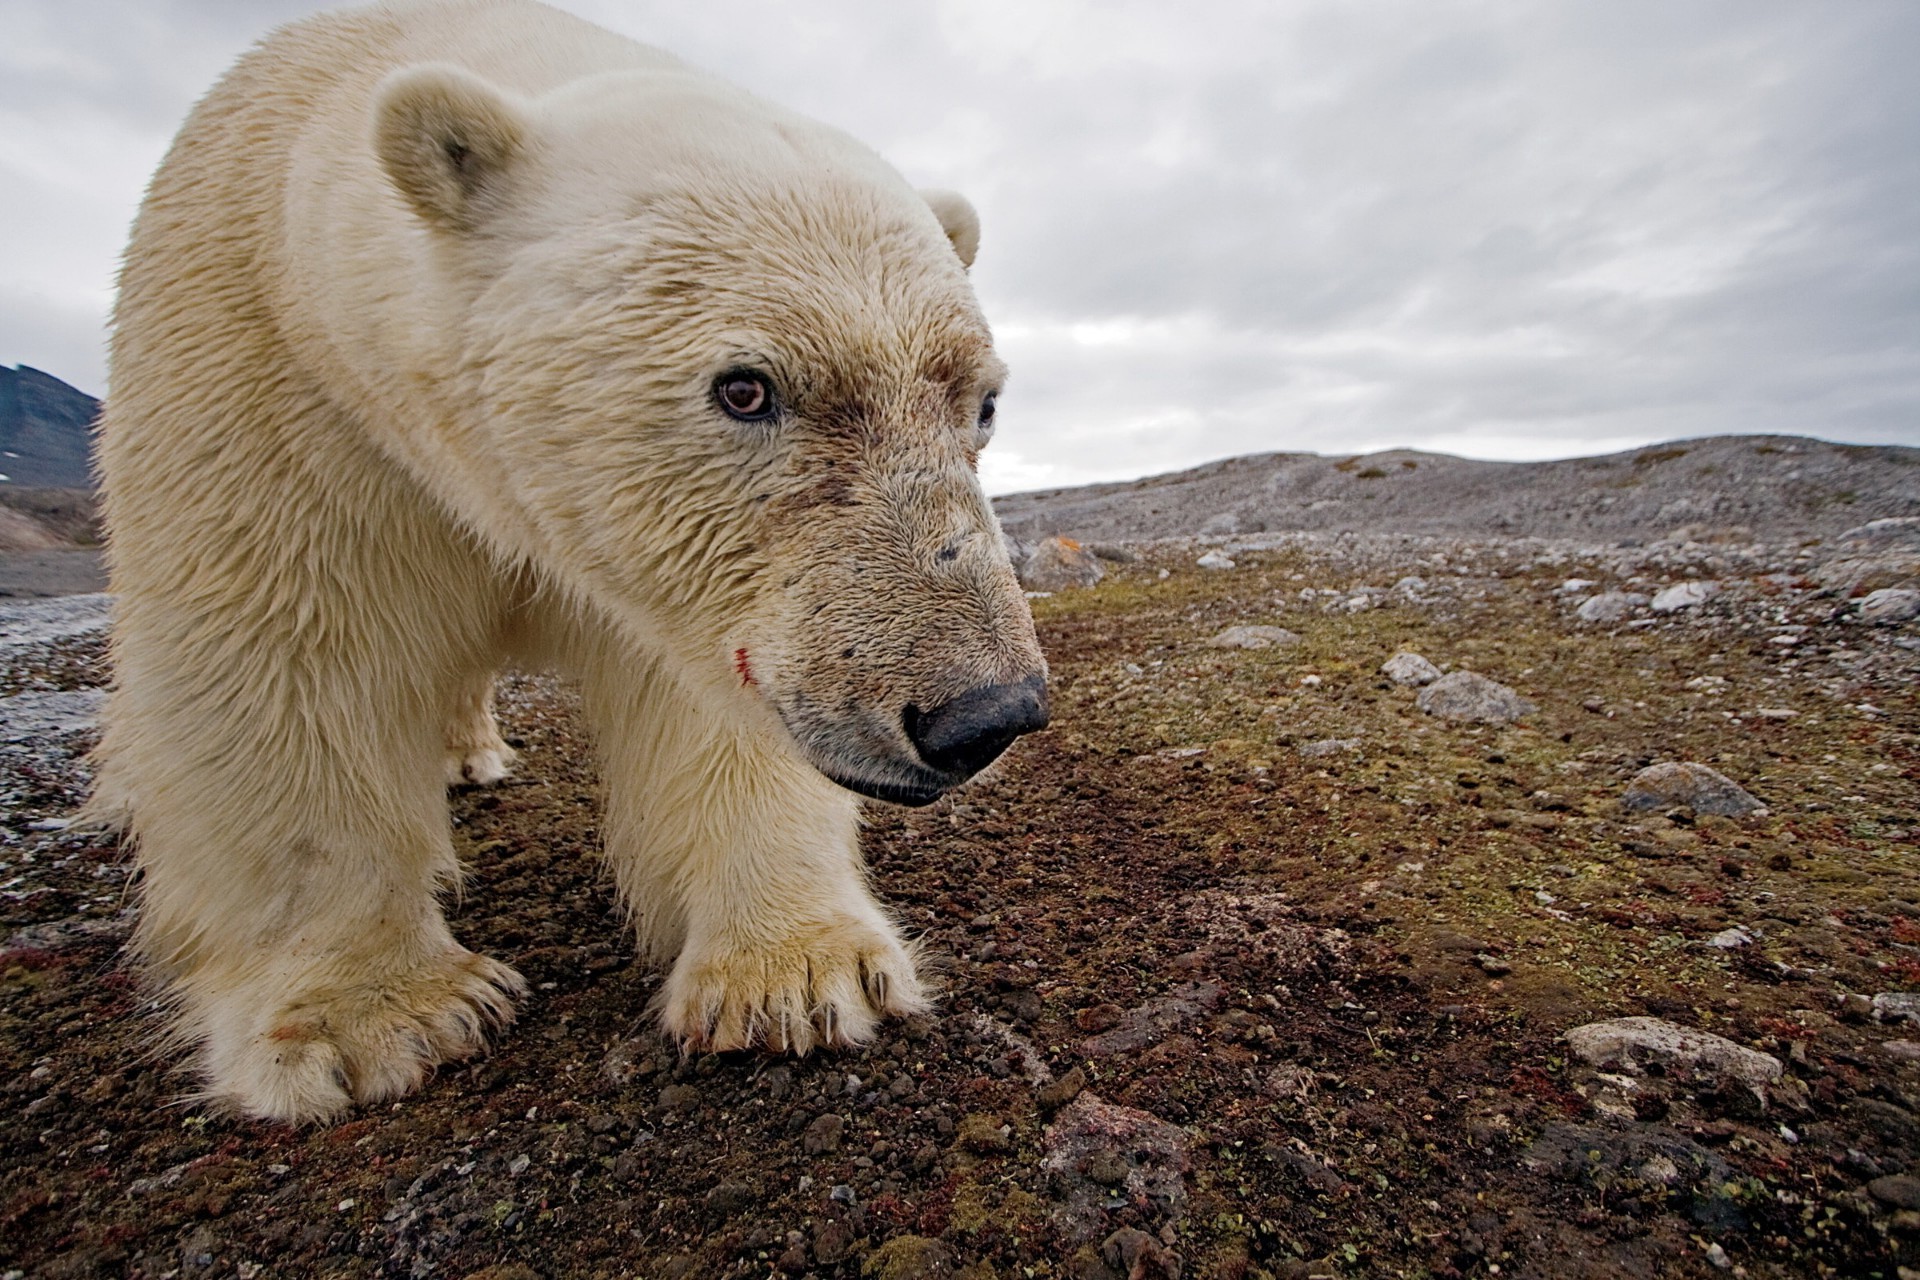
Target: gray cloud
(1496,227)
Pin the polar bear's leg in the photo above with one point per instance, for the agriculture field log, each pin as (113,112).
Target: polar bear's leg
(476,753)
(741,858)
(289,814)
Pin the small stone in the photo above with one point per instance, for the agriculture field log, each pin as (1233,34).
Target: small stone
(1686,785)
(1469,696)
(679,1097)
(1900,1190)
(1629,1043)
(1730,939)
(1890,1006)
(1573,586)
(1215,560)
(1684,595)
(984,1134)
(729,1199)
(1252,638)
(1059,564)
(909,1258)
(1330,747)
(1890,604)
(1409,668)
(1610,606)
(1135,1254)
(823,1135)
(518,1166)
(1904,1050)
(1057,1093)
(1107,1167)
(832,1241)
(1491,965)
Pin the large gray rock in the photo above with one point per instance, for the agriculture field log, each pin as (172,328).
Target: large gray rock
(1610,606)
(1686,785)
(1469,696)
(1683,595)
(1409,668)
(1059,564)
(1890,604)
(1632,1044)
(1252,638)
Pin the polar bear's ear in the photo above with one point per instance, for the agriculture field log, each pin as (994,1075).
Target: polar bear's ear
(958,220)
(444,137)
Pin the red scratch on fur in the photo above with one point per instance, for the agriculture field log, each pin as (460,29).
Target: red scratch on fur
(744,667)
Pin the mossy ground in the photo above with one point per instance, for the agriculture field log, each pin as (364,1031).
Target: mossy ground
(1391,937)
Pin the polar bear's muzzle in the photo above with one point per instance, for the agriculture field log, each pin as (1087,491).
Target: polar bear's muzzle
(951,742)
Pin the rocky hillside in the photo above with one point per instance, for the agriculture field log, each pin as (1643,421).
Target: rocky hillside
(44,430)
(1726,488)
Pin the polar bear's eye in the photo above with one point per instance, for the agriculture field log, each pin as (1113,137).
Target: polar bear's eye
(988,408)
(745,396)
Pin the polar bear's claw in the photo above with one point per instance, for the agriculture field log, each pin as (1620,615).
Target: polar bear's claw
(826,986)
(369,1042)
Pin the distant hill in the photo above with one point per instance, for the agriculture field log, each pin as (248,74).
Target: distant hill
(1774,487)
(44,430)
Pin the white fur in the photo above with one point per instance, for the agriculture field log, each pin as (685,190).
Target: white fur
(412,376)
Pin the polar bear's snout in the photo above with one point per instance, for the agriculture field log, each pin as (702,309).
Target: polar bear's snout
(964,735)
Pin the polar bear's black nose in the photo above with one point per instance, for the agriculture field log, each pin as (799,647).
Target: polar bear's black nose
(962,736)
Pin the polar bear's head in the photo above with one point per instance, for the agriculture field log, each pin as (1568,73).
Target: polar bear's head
(733,381)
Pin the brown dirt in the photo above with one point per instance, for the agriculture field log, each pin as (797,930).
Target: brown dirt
(1334,985)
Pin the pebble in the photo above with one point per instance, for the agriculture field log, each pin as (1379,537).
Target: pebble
(1471,697)
(1215,560)
(1252,638)
(1330,747)
(1058,1092)
(1684,595)
(823,1135)
(1409,668)
(1891,1005)
(1610,606)
(1059,564)
(1905,1050)
(1093,1133)
(1688,785)
(1899,1190)
(1629,1043)
(1890,604)
(679,1097)
(1730,939)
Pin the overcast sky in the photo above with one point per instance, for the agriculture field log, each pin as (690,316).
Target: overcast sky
(1504,228)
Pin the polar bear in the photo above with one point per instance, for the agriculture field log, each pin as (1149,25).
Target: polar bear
(460,332)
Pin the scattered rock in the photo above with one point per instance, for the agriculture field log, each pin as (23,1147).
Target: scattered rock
(1900,1190)
(37,714)
(679,1097)
(1628,1044)
(1686,785)
(1626,1160)
(1409,668)
(1573,586)
(1058,1092)
(1215,560)
(1890,1006)
(1890,604)
(1136,1255)
(1330,747)
(1730,939)
(1155,1020)
(1114,552)
(1904,1050)
(1090,1132)
(1059,564)
(1683,595)
(1469,696)
(1252,638)
(1610,606)
(909,1258)
(823,1135)
(729,1199)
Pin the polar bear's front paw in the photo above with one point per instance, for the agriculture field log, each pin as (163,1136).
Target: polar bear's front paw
(825,984)
(361,1043)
